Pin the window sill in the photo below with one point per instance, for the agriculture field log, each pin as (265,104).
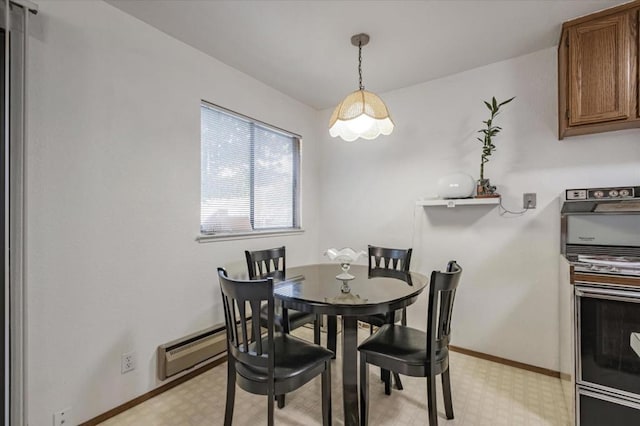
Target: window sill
(203,238)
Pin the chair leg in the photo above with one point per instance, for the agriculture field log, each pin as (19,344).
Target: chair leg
(404,317)
(364,391)
(332,334)
(386,378)
(431,401)
(270,409)
(231,392)
(446,394)
(280,399)
(316,330)
(326,395)
(396,379)
(286,326)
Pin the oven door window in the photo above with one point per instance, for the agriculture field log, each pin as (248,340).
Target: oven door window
(608,354)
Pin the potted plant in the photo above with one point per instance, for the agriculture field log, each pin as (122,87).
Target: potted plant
(484,186)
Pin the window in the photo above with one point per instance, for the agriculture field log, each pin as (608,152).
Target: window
(250,174)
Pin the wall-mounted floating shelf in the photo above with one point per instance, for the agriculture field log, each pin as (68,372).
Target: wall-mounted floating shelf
(450,203)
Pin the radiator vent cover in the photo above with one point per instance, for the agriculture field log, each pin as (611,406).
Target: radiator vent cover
(189,351)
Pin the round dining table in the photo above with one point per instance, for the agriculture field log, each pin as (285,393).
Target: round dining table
(315,289)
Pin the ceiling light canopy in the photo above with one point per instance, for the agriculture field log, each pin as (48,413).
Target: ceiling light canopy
(361,114)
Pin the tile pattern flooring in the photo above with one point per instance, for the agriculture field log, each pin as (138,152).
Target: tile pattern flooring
(484,393)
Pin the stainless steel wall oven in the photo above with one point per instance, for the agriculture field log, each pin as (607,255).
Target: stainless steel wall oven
(607,355)
(601,238)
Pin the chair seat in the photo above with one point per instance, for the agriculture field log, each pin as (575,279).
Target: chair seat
(296,318)
(293,357)
(396,345)
(377,320)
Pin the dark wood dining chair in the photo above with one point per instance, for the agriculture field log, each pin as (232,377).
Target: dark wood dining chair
(388,258)
(396,260)
(271,262)
(270,365)
(414,352)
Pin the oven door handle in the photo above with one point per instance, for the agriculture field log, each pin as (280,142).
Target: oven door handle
(634,342)
(609,294)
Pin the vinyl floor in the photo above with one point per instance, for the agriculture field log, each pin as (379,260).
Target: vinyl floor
(484,394)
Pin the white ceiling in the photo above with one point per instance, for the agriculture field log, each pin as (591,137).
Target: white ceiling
(303,48)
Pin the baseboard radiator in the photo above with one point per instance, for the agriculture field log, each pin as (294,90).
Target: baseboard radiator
(189,351)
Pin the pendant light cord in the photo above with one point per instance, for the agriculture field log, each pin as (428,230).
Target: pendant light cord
(360,63)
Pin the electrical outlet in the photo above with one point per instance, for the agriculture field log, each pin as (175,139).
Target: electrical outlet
(62,417)
(127,362)
(529,200)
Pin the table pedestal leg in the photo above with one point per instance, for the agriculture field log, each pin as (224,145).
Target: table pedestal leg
(332,333)
(350,370)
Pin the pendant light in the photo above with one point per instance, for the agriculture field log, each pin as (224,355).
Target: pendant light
(361,114)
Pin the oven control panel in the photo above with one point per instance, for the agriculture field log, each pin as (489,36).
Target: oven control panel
(625,192)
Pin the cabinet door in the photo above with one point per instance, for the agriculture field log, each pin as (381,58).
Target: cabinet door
(599,67)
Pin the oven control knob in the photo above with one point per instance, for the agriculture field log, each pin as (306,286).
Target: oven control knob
(613,193)
(624,193)
(598,194)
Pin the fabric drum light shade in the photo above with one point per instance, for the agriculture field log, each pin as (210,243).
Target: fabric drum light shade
(361,114)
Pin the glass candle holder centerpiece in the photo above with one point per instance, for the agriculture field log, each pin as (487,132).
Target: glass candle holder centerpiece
(345,257)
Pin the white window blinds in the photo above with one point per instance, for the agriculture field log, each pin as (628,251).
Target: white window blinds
(250,174)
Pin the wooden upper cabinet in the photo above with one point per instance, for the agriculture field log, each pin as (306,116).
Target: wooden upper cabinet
(598,72)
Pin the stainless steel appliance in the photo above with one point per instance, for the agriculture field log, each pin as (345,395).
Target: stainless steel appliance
(601,239)
(601,221)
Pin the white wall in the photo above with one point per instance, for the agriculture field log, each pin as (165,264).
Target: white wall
(113,201)
(507,303)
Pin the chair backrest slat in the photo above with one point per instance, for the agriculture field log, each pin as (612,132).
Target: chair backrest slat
(228,319)
(262,262)
(442,292)
(255,324)
(242,312)
(389,258)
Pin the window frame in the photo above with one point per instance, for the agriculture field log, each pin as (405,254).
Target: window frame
(296,201)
